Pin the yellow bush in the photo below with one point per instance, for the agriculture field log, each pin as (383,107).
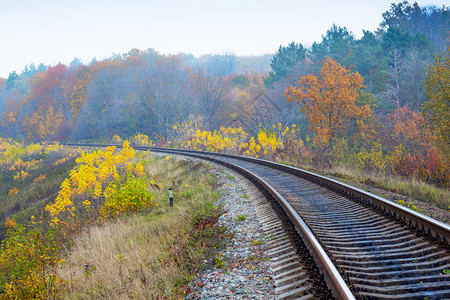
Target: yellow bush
(89,185)
(268,143)
(21,175)
(142,140)
(130,196)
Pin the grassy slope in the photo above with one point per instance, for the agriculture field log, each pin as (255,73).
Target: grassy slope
(433,200)
(153,253)
(32,196)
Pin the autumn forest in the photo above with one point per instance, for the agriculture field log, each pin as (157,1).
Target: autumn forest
(378,103)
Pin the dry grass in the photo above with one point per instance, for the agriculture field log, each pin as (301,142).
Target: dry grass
(130,257)
(429,194)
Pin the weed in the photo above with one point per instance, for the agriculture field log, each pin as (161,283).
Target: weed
(413,207)
(187,194)
(240,218)
(270,237)
(89,270)
(219,263)
(256,242)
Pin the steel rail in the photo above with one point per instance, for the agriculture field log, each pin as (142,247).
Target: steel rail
(419,222)
(333,278)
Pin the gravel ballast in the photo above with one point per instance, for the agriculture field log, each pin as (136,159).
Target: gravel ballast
(242,270)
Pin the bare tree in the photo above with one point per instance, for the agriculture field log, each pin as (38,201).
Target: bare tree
(211,93)
(392,92)
(414,69)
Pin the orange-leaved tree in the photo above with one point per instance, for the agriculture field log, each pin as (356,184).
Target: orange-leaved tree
(329,101)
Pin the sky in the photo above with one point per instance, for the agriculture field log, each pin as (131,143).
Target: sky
(52,31)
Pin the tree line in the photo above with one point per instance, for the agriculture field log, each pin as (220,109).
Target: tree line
(401,66)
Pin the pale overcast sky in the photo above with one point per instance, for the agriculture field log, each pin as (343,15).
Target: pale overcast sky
(52,31)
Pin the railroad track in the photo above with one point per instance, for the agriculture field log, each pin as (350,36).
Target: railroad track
(365,247)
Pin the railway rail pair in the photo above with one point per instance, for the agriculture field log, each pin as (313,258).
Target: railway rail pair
(364,246)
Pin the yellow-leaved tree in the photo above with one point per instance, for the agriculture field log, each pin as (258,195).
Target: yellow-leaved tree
(329,101)
(437,108)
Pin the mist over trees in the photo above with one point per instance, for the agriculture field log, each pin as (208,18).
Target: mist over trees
(139,91)
(143,91)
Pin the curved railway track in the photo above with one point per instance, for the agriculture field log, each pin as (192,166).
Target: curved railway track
(365,247)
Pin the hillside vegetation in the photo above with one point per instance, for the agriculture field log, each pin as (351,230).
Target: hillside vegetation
(62,246)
